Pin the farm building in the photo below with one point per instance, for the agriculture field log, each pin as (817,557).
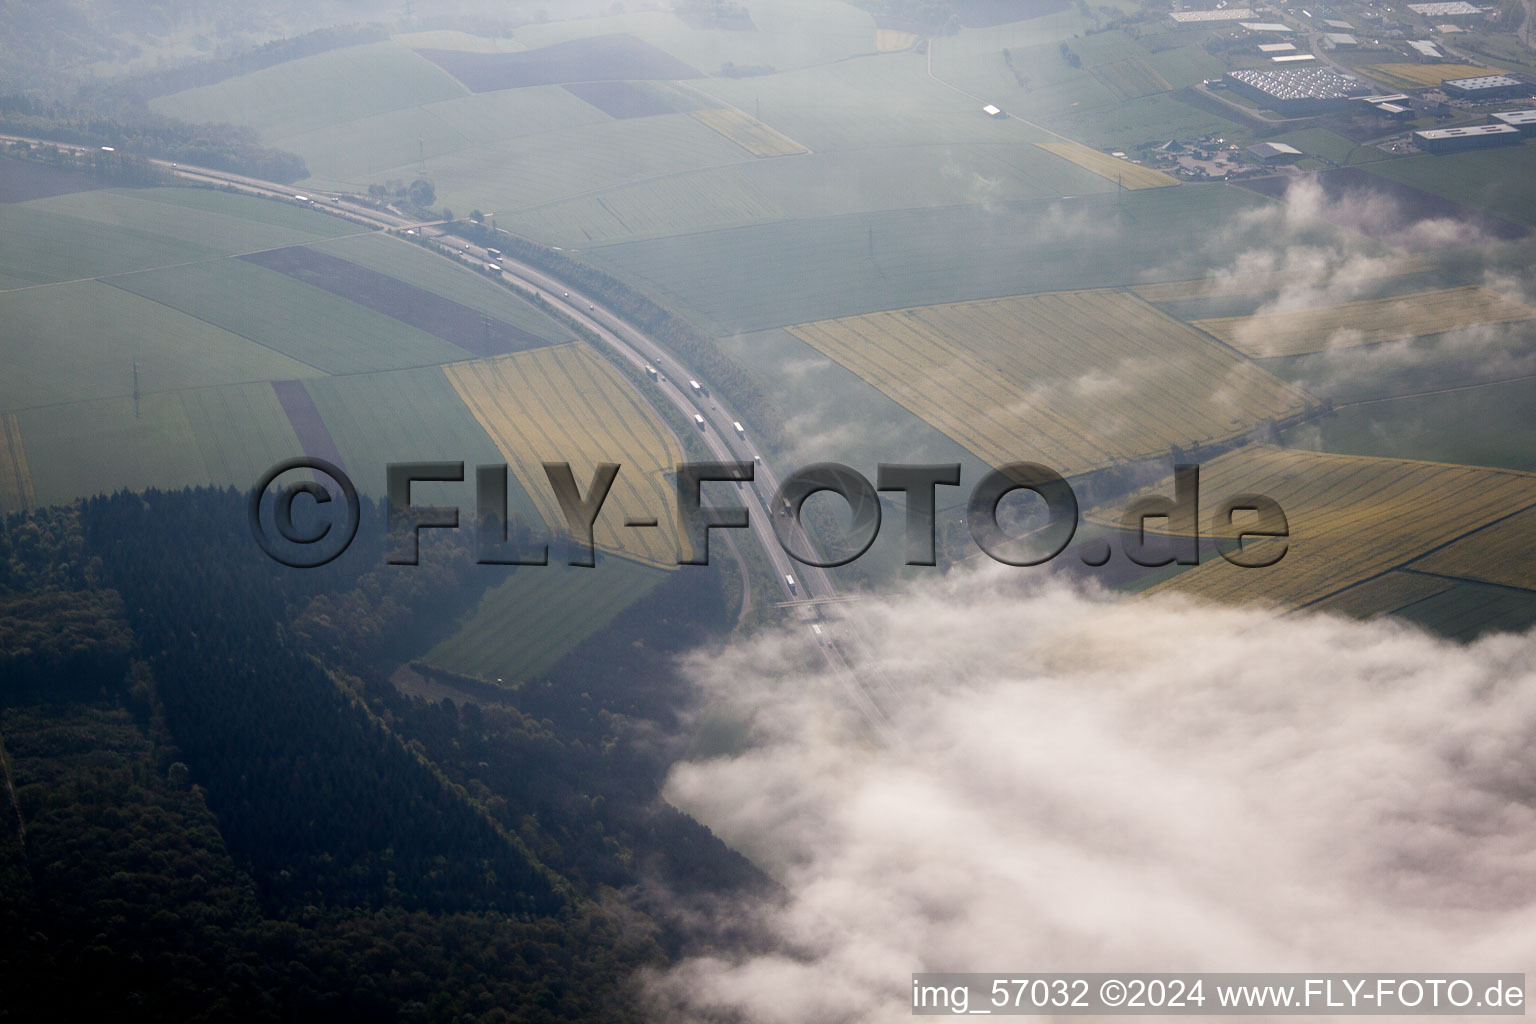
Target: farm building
(1487,87)
(1268,28)
(1340,41)
(1523,121)
(1454,9)
(1293,58)
(1425,50)
(1198,17)
(1271,49)
(1275,153)
(1396,111)
(1311,90)
(1477,136)
(991,111)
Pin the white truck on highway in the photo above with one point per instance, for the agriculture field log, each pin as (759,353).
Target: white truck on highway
(698,421)
(789,581)
(740,430)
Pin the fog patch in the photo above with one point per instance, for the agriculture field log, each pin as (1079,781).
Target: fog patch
(1077,783)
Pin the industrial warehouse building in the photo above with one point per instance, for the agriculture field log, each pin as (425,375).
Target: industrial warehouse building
(1275,152)
(1476,136)
(1296,91)
(1523,121)
(1456,9)
(1488,87)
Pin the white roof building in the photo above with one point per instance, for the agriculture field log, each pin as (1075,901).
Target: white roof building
(1453,9)
(1196,17)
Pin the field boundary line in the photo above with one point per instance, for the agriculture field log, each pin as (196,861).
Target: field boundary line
(104,278)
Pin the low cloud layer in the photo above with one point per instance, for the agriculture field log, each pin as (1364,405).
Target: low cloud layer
(1079,784)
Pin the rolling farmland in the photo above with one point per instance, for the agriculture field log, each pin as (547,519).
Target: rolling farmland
(1351,519)
(69,342)
(1077,380)
(564,404)
(524,626)
(829,267)
(222,436)
(315,92)
(1383,595)
(1500,553)
(315,331)
(16,491)
(1111,168)
(749,133)
(611,57)
(1366,322)
(1130,78)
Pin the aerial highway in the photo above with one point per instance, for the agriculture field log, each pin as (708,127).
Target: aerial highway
(809,588)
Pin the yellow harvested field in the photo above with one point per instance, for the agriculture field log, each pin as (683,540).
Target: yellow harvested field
(15,478)
(1351,518)
(1383,595)
(1367,322)
(564,404)
(888,40)
(1076,380)
(1501,553)
(1111,167)
(1425,75)
(748,132)
(1224,285)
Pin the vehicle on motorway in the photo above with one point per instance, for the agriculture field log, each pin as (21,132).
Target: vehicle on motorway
(740,430)
(698,421)
(789,581)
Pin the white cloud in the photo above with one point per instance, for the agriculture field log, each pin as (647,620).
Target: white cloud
(1082,784)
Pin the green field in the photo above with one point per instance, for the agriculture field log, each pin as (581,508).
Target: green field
(409,262)
(509,175)
(224,436)
(1495,180)
(412,139)
(407,416)
(1467,610)
(77,341)
(113,231)
(43,247)
(1330,146)
(313,92)
(279,313)
(1447,427)
(871,102)
(524,626)
(231,223)
(677,204)
(1149,119)
(756,278)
